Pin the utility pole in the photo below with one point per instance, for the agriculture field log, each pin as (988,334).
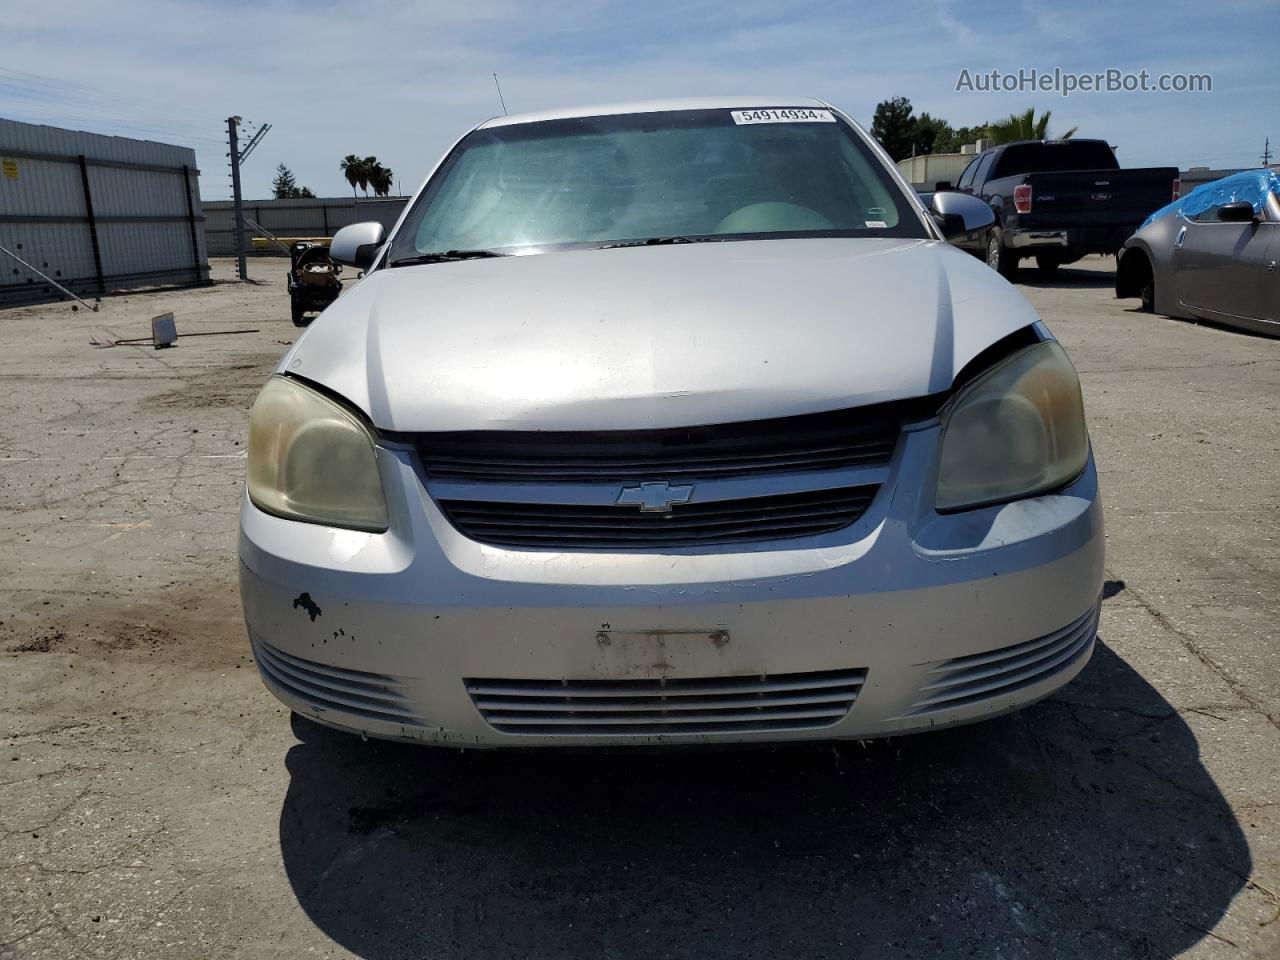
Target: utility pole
(1266,153)
(234,154)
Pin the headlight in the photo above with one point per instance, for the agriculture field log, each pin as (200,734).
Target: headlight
(310,459)
(1016,431)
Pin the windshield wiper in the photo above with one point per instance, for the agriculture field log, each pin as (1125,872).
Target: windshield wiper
(448,256)
(660,241)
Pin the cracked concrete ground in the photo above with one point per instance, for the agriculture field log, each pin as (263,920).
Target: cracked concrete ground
(155,801)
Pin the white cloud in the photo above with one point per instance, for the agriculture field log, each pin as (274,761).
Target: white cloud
(955,28)
(1056,23)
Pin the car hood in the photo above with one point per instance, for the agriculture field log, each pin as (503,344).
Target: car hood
(656,336)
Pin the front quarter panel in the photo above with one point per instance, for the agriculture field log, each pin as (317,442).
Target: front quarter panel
(1155,240)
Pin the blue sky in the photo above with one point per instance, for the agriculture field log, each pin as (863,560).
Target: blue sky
(402,80)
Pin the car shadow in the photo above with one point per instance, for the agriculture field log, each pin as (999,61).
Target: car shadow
(1242,331)
(1084,826)
(1065,277)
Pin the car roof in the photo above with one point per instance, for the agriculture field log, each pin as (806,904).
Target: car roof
(654,106)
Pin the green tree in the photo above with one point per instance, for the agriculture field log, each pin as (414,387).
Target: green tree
(283,185)
(1024,126)
(893,126)
(951,139)
(901,133)
(925,131)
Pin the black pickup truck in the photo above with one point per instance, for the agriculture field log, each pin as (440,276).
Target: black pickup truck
(1057,200)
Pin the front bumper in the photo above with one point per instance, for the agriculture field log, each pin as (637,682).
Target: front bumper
(919,620)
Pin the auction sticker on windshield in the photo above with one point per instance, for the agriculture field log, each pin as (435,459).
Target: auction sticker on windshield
(783,115)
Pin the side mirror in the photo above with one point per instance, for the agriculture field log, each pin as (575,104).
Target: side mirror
(358,244)
(1241,211)
(958,214)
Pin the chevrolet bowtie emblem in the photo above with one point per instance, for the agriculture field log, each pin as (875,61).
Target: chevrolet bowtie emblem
(654,497)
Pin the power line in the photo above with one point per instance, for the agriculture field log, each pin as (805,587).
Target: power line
(108,124)
(98,122)
(37,86)
(42,99)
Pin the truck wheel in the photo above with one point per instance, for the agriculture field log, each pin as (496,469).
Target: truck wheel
(1047,264)
(999,258)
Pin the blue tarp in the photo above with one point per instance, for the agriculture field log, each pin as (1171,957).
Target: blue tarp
(1251,185)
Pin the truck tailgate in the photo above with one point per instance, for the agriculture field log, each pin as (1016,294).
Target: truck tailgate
(1096,198)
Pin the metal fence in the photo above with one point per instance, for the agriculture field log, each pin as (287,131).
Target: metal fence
(311,217)
(96,213)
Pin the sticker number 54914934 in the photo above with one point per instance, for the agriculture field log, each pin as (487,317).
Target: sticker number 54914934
(783,115)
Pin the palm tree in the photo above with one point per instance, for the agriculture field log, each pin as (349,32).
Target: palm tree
(1024,126)
(369,170)
(352,169)
(381,179)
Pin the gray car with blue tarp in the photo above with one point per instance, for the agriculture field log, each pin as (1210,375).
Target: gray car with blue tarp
(1212,255)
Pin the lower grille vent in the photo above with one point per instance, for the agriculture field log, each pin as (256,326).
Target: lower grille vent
(794,701)
(374,696)
(984,676)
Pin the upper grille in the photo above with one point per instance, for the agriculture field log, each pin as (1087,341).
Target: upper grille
(694,524)
(374,696)
(789,701)
(983,676)
(864,436)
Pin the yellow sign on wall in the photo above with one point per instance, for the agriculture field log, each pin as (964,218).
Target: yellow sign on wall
(9,167)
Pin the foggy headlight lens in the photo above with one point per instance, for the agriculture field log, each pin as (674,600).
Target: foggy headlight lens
(1016,431)
(310,459)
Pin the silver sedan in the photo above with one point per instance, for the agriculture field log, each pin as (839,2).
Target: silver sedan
(1211,255)
(673,422)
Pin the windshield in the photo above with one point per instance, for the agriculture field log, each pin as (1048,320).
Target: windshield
(704,174)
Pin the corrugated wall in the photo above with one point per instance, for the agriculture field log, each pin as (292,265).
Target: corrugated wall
(312,217)
(96,213)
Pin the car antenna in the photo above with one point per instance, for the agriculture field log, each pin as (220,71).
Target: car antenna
(500,99)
